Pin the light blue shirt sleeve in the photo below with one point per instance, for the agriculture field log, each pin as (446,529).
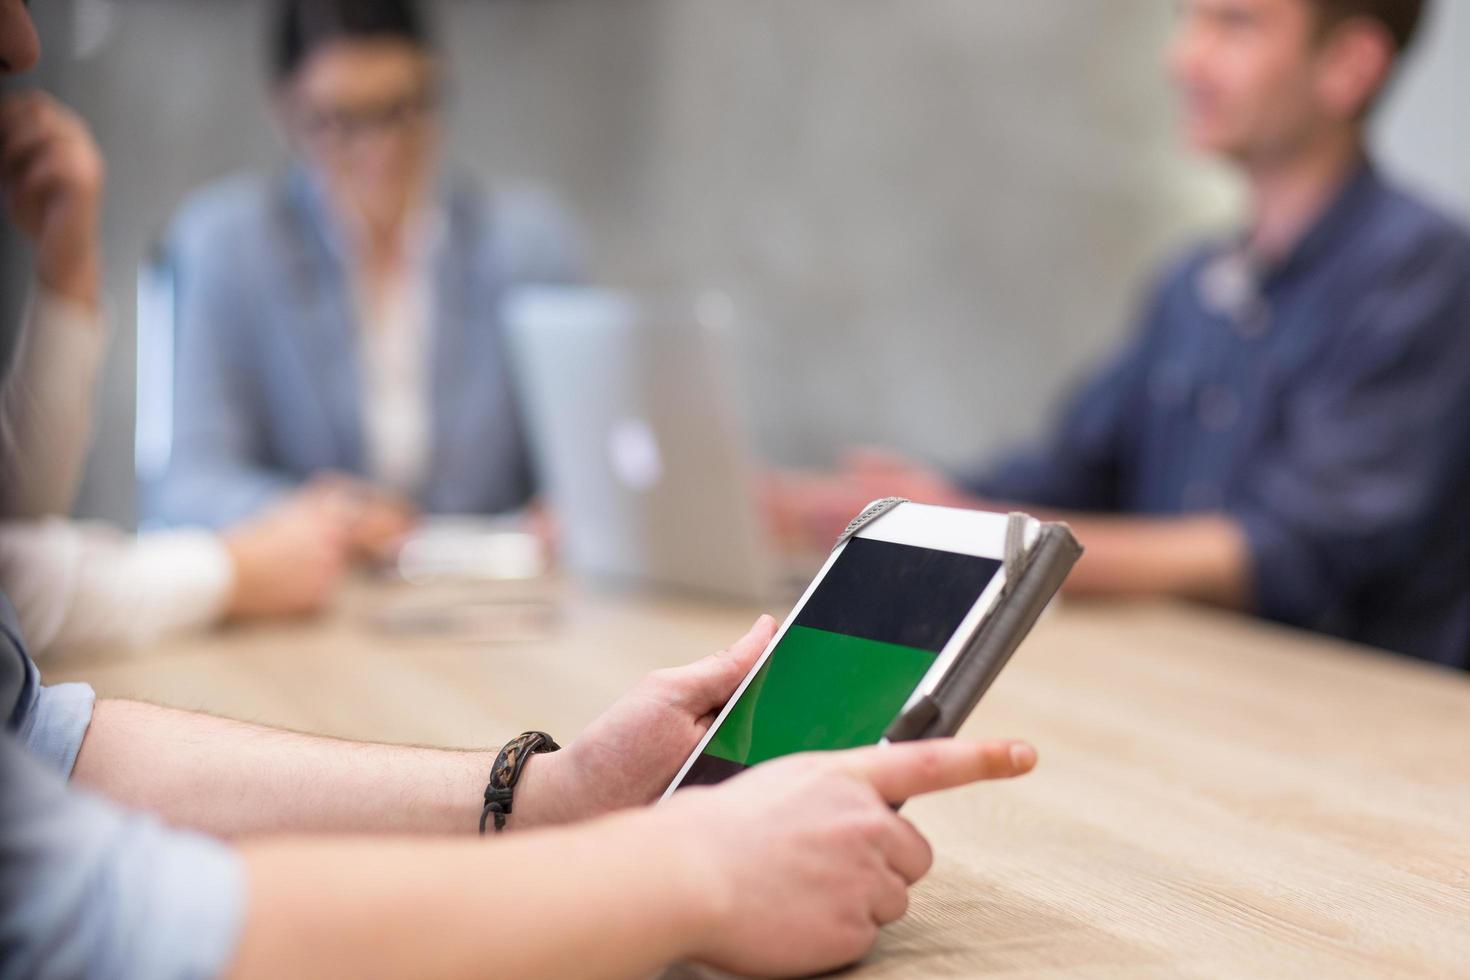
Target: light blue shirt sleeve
(88,889)
(56,725)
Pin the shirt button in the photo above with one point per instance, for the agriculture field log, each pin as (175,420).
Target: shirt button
(1218,408)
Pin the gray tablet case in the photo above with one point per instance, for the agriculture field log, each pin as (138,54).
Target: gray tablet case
(1033,576)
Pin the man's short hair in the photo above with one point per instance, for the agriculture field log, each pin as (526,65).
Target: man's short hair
(1401,18)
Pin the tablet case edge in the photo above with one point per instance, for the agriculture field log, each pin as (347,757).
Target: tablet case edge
(1046,565)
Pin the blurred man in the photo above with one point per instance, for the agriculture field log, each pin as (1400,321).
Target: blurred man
(76,583)
(1286,432)
(95,885)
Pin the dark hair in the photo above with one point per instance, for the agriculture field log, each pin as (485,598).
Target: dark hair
(1401,18)
(303,26)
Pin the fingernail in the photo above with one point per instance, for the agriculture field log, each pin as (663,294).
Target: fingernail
(1023,757)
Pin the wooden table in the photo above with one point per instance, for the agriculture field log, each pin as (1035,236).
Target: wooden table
(1217,798)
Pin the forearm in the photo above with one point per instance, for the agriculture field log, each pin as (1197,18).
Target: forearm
(231,779)
(1205,558)
(613,898)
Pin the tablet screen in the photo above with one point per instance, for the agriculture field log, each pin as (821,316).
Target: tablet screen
(852,656)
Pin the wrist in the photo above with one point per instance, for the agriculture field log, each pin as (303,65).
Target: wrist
(510,787)
(701,892)
(237,596)
(540,799)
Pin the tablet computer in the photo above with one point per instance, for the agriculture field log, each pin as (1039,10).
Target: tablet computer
(899,612)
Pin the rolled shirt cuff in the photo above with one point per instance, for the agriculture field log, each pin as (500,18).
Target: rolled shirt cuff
(54,731)
(195,568)
(1288,583)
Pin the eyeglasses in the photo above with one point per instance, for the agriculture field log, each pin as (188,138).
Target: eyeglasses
(340,127)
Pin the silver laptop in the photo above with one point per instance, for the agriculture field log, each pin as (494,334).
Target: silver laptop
(632,411)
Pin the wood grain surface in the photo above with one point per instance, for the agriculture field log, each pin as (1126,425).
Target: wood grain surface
(1216,797)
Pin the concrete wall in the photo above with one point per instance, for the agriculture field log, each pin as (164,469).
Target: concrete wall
(1424,133)
(932,213)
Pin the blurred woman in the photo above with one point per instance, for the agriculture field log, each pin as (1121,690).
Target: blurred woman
(339,327)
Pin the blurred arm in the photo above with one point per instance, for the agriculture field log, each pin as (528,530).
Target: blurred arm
(1374,448)
(218,473)
(75,584)
(46,406)
(216,477)
(1204,558)
(52,177)
(1081,463)
(1078,467)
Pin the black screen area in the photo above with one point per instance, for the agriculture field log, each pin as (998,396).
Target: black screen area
(896,593)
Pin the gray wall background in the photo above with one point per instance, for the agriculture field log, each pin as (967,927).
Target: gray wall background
(932,213)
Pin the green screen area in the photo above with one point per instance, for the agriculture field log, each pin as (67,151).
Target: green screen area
(819,691)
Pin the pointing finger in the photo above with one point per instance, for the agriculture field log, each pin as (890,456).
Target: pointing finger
(909,769)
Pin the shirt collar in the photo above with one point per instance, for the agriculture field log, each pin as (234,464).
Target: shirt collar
(1232,284)
(1348,209)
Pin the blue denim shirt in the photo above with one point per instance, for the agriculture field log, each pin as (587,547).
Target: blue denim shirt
(1324,403)
(88,889)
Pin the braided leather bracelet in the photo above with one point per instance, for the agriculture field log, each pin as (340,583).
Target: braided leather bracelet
(506,772)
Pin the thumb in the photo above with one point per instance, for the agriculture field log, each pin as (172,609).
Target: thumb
(907,769)
(705,685)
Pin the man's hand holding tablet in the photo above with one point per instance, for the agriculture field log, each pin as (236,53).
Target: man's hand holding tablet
(804,859)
